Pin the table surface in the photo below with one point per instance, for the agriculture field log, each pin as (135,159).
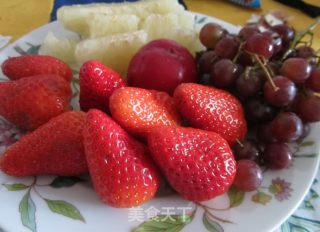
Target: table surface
(18,17)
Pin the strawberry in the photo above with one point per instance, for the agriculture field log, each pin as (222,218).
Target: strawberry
(55,148)
(212,109)
(122,173)
(97,83)
(198,164)
(139,110)
(30,65)
(30,102)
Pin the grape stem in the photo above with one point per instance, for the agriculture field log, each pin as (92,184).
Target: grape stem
(300,36)
(240,144)
(238,53)
(316,94)
(266,71)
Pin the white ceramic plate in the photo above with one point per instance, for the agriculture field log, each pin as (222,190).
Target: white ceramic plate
(50,204)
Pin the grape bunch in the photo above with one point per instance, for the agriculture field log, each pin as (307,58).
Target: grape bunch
(277,79)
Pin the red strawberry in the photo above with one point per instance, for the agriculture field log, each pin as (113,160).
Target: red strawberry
(140,110)
(97,83)
(30,65)
(212,109)
(55,148)
(123,175)
(198,164)
(30,102)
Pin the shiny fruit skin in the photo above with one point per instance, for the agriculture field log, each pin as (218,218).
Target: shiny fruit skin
(284,95)
(30,65)
(277,155)
(296,69)
(287,127)
(31,102)
(313,82)
(260,45)
(97,83)
(198,164)
(308,108)
(55,148)
(227,47)
(161,65)
(212,109)
(210,34)
(224,73)
(121,170)
(248,177)
(141,110)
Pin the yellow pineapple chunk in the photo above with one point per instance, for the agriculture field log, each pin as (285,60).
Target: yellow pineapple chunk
(61,48)
(75,17)
(115,51)
(100,25)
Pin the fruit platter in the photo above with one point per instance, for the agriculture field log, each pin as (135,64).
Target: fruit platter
(169,121)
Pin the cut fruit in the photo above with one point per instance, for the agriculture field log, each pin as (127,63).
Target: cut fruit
(75,17)
(188,38)
(175,26)
(158,24)
(62,49)
(100,25)
(113,51)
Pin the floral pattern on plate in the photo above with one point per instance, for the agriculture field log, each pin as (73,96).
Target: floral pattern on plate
(33,197)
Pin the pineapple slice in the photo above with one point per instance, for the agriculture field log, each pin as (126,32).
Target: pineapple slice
(61,48)
(188,38)
(176,26)
(157,25)
(75,17)
(114,51)
(100,25)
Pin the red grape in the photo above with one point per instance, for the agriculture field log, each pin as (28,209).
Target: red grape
(306,130)
(245,59)
(206,61)
(227,47)
(277,155)
(224,73)
(308,108)
(305,52)
(264,133)
(284,95)
(286,33)
(259,44)
(276,41)
(248,149)
(274,67)
(313,82)
(258,111)
(248,31)
(296,69)
(249,84)
(210,34)
(287,127)
(248,177)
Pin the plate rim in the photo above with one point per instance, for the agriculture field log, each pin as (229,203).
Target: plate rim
(56,23)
